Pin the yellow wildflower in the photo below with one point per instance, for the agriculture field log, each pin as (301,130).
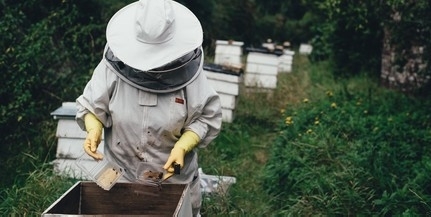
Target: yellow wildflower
(289,120)
(333,105)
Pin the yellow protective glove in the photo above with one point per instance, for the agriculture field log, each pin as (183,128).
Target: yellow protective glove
(186,143)
(94,135)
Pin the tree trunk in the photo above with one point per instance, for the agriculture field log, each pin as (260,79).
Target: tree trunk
(404,68)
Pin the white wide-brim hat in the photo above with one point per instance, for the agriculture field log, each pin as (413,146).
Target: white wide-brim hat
(151,33)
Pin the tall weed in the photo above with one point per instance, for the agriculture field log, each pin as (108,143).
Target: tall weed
(39,190)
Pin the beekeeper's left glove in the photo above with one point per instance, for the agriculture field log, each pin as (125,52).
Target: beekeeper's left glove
(94,135)
(185,144)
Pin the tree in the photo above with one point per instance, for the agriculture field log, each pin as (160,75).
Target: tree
(406,46)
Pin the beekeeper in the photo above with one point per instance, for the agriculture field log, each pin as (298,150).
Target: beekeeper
(149,93)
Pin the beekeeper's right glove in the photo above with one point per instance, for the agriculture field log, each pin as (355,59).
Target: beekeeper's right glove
(185,144)
(94,135)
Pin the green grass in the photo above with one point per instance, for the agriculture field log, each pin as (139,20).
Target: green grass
(315,146)
(356,153)
(318,146)
(242,148)
(39,190)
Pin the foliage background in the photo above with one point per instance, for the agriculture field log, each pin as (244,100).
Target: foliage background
(49,49)
(45,61)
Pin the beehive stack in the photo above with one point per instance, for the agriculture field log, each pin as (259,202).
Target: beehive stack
(226,83)
(70,139)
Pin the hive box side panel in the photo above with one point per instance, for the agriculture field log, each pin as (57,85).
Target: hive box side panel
(72,148)
(70,168)
(224,87)
(68,203)
(227,59)
(285,58)
(228,49)
(262,69)
(262,58)
(226,53)
(262,81)
(227,101)
(69,128)
(222,76)
(227,115)
(184,207)
(284,68)
(305,48)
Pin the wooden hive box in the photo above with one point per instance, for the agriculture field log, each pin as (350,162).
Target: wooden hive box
(228,52)
(261,69)
(70,140)
(124,199)
(305,49)
(285,61)
(226,84)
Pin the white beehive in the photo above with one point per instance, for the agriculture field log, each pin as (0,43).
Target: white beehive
(228,52)
(227,86)
(261,70)
(285,61)
(70,140)
(305,49)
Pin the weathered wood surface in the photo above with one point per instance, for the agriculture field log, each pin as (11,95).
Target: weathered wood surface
(124,199)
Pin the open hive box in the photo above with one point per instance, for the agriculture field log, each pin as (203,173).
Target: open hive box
(124,199)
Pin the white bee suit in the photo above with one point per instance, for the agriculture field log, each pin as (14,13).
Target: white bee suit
(141,126)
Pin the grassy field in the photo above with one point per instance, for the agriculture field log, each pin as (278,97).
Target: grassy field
(319,146)
(243,146)
(257,145)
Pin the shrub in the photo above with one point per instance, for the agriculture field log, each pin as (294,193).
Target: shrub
(355,152)
(48,53)
(351,33)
